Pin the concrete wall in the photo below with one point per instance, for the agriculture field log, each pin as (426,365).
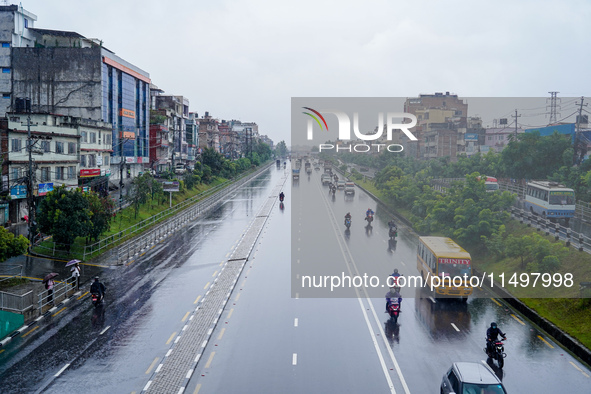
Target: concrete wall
(64,81)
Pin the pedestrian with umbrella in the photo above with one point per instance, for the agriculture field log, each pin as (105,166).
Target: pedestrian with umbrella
(75,264)
(48,281)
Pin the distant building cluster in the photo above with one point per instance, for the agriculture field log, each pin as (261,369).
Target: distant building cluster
(94,118)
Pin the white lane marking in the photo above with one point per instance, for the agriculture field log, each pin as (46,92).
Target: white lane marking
(105,330)
(209,331)
(159,368)
(181,390)
(204,343)
(294,359)
(295,322)
(177,339)
(62,370)
(147,386)
(455,327)
(188,376)
(168,352)
(198,357)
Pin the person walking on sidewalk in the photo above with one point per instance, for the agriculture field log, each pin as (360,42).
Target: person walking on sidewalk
(76,275)
(49,286)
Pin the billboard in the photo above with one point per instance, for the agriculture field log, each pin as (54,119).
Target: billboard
(170,186)
(19,191)
(45,188)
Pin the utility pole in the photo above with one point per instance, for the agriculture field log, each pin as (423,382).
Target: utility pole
(578,148)
(516,116)
(553,105)
(30,197)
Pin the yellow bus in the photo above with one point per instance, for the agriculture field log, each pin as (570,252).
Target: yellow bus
(440,260)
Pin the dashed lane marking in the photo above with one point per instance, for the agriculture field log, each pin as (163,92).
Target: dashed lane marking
(197,388)
(455,327)
(152,366)
(207,285)
(105,330)
(237,297)
(496,302)
(516,318)
(61,370)
(546,342)
(58,312)
(294,359)
(209,360)
(171,338)
(82,295)
(223,330)
(295,322)
(197,300)
(214,274)
(579,369)
(185,317)
(230,313)
(36,327)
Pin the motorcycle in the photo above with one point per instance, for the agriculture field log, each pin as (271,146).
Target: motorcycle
(281,198)
(498,352)
(347,223)
(97,299)
(394,310)
(369,219)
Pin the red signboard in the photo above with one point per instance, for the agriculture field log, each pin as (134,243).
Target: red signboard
(88,173)
(454,261)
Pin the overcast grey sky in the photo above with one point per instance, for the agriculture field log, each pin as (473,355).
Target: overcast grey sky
(246,59)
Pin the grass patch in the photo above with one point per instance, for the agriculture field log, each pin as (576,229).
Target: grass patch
(12,282)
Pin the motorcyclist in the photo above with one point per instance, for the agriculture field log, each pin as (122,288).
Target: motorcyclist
(492,334)
(281,196)
(98,287)
(395,275)
(393,295)
(392,225)
(369,212)
(347,216)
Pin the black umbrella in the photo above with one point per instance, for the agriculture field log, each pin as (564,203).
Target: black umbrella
(49,276)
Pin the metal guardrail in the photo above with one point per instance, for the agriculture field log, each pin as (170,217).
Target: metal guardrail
(134,246)
(61,290)
(18,303)
(10,271)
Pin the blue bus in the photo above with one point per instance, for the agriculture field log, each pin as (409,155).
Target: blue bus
(550,200)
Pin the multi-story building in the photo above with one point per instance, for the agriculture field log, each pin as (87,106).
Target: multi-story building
(209,134)
(178,111)
(55,156)
(496,138)
(436,112)
(192,125)
(160,157)
(96,146)
(66,73)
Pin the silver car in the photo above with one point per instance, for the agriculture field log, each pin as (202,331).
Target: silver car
(471,378)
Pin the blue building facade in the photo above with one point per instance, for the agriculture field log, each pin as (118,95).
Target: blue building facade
(566,129)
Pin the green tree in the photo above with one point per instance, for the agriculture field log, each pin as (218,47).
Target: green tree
(519,247)
(141,191)
(10,245)
(281,149)
(102,209)
(64,214)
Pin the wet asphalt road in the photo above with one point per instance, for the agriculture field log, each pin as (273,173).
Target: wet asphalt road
(273,337)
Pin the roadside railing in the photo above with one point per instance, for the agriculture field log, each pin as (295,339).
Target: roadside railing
(61,291)
(167,226)
(10,271)
(18,303)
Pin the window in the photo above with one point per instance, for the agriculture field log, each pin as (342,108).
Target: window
(91,160)
(93,138)
(490,137)
(6,70)
(16,173)
(108,139)
(6,95)
(71,148)
(45,174)
(16,144)
(106,160)
(5,45)
(453,380)
(59,147)
(59,173)
(83,136)
(45,145)
(72,172)
(26,23)
(82,160)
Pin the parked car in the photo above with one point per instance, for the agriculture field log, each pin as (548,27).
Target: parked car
(180,169)
(471,377)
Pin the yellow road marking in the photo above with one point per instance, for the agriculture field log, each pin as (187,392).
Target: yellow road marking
(230,313)
(479,289)
(1,350)
(130,262)
(496,302)
(82,295)
(221,333)
(214,274)
(171,338)
(36,327)
(142,254)
(546,342)
(197,389)
(197,300)
(516,318)
(206,286)
(222,263)
(208,364)
(243,282)
(186,315)
(238,296)
(152,365)
(96,265)
(58,312)
(227,254)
